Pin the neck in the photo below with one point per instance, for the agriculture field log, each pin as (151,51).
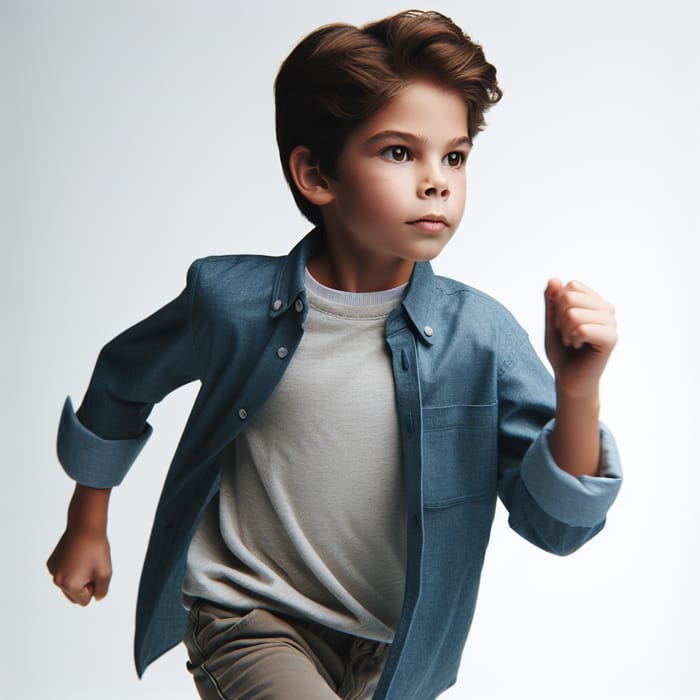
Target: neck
(343,267)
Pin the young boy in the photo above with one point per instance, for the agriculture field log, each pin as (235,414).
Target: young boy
(327,510)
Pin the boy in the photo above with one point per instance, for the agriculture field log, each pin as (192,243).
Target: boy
(326,513)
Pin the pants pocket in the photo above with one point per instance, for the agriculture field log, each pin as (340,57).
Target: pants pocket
(207,625)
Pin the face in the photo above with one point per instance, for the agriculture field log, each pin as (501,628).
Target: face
(401,180)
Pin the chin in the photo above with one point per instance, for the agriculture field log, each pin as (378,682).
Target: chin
(428,252)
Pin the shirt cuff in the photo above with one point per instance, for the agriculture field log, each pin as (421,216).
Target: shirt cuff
(580,501)
(91,460)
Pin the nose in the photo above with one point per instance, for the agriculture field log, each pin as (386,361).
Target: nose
(433,184)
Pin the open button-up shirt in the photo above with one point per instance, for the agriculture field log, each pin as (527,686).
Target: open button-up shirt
(475,406)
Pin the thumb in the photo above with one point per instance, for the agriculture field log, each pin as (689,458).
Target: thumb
(551,293)
(554,288)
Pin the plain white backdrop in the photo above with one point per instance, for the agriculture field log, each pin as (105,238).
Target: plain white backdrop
(136,136)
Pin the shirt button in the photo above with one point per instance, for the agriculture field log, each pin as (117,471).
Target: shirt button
(242,413)
(277,304)
(299,305)
(282,352)
(428,331)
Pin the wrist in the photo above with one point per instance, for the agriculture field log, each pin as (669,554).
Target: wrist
(88,509)
(582,400)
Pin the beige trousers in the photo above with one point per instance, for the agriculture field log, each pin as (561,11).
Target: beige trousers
(264,656)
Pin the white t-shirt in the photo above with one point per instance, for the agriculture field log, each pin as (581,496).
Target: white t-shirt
(310,518)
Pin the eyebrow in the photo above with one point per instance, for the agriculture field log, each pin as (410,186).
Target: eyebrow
(413,138)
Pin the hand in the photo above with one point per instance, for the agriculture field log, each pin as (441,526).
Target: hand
(81,565)
(580,334)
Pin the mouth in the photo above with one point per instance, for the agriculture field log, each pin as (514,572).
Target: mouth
(430,223)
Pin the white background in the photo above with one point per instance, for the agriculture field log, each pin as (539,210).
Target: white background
(136,136)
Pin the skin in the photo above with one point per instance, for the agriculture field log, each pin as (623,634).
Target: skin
(399,194)
(397,198)
(80,564)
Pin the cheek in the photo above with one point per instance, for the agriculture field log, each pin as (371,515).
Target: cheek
(459,196)
(382,196)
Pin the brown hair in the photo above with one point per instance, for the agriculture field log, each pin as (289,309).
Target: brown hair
(340,75)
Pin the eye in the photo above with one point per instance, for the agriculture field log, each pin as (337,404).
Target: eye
(455,159)
(396,154)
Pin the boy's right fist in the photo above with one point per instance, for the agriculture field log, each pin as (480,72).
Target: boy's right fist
(80,564)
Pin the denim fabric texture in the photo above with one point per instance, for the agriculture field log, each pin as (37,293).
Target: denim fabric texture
(475,407)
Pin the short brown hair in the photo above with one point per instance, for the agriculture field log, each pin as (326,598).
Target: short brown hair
(340,75)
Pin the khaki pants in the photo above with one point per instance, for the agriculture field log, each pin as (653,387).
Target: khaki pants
(264,656)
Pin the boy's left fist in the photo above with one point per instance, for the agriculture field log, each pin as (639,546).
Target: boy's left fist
(580,334)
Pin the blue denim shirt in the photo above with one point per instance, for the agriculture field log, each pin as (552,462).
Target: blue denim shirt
(475,406)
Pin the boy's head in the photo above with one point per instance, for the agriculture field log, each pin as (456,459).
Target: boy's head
(340,75)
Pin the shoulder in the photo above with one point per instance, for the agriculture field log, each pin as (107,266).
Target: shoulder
(225,269)
(224,275)
(477,320)
(462,300)
(231,286)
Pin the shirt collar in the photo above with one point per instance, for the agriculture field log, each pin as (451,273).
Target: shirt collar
(289,283)
(417,306)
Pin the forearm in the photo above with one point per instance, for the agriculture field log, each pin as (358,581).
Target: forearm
(580,334)
(575,440)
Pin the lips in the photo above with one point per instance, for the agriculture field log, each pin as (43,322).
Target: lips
(430,223)
(431,217)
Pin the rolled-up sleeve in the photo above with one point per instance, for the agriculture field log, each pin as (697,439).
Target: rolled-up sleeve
(546,505)
(580,501)
(91,460)
(98,443)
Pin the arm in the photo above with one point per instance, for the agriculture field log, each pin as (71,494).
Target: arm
(550,442)
(80,563)
(97,445)
(580,335)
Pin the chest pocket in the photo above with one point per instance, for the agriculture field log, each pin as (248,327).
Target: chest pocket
(460,450)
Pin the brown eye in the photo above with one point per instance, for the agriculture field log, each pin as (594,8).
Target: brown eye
(454,159)
(397,154)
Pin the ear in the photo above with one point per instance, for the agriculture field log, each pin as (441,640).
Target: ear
(308,178)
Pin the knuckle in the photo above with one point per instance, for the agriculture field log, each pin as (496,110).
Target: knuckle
(73,588)
(571,315)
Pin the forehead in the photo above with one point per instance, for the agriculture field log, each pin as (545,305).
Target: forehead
(423,109)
